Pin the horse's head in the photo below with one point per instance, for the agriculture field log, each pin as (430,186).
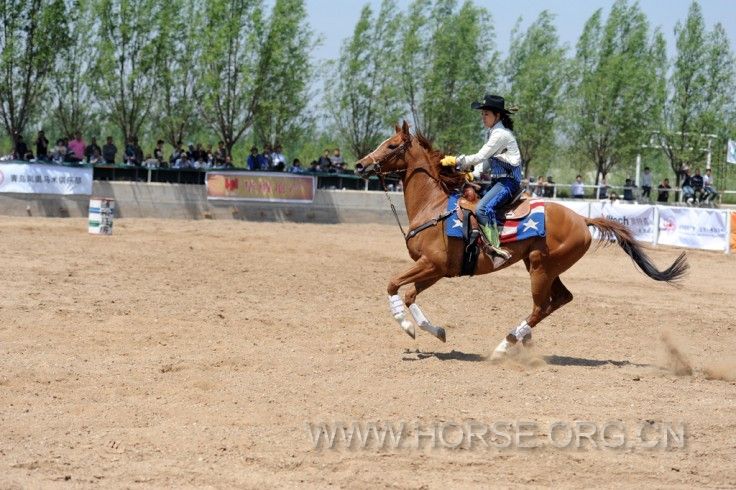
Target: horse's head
(388,156)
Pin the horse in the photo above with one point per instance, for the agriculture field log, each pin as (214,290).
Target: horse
(427,187)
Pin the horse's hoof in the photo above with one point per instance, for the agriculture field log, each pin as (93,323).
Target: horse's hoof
(438,332)
(408,327)
(504,350)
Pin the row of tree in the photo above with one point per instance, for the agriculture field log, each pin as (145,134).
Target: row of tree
(614,93)
(243,72)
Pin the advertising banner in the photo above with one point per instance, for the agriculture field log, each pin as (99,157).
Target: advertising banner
(693,228)
(27,178)
(580,207)
(639,218)
(733,232)
(261,186)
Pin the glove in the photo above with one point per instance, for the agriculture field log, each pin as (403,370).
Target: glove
(469,176)
(448,161)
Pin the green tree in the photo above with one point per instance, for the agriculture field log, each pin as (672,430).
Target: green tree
(31,34)
(700,87)
(176,108)
(286,69)
(617,88)
(129,51)
(447,60)
(362,96)
(72,107)
(535,71)
(231,76)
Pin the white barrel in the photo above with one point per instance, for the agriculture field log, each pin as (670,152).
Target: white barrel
(101,211)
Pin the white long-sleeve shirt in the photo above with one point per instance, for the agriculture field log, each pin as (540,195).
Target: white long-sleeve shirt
(501,144)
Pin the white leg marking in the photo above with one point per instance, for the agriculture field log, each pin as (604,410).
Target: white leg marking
(399,313)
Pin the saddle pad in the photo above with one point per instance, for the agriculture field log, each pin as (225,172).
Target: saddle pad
(453,224)
(530,226)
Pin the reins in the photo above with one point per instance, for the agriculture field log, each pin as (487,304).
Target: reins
(380,174)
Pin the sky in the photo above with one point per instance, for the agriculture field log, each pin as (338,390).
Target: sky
(335,20)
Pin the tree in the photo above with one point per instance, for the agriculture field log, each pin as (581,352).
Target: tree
(363,99)
(281,113)
(617,87)
(535,70)
(231,74)
(31,33)
(176,108)
(447,61)
(72,105)
(700,89)
(129,51)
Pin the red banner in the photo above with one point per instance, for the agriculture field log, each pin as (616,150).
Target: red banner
(261,186)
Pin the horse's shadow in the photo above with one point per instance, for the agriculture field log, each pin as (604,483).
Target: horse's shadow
(555,360)
(552,360)
(453,355)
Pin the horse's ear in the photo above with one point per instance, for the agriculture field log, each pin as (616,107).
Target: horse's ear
(405,128)
(397,128)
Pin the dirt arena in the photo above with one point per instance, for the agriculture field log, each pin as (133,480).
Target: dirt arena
(198,353)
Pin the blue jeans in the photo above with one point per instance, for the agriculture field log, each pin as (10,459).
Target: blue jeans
(498,195)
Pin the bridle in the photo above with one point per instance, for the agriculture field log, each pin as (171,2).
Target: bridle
(375,167)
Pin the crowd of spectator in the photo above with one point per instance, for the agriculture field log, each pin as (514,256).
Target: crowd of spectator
(191,156)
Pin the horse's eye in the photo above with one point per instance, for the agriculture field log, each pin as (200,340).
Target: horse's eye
(392,147)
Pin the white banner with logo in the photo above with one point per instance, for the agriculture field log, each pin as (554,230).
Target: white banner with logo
(29,178)
(639,218)
(731,152)
(580,207)
(705,229)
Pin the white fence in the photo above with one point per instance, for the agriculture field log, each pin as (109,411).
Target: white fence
(704,229)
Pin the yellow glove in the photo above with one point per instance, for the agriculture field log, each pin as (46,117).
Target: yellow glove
(448,161)
(469,176)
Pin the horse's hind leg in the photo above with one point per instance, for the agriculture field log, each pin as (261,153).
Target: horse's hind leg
(410,298)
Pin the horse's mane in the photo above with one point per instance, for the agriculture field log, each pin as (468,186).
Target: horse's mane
(450,179)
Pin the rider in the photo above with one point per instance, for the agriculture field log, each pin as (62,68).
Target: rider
(501,155)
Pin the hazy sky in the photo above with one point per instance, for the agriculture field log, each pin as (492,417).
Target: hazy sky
(335,19)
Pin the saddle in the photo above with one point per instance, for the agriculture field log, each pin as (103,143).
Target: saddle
(518,207)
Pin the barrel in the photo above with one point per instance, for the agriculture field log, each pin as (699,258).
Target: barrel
(101,211)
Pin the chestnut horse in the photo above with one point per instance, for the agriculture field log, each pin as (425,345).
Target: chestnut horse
(427,186)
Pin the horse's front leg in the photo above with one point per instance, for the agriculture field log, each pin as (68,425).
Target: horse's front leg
(423,270)
(421,320)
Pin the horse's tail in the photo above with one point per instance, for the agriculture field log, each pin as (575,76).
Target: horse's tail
(611,230)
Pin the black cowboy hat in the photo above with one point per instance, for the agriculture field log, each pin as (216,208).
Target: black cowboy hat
(491,102)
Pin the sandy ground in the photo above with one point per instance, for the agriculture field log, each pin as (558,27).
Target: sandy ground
(190,354)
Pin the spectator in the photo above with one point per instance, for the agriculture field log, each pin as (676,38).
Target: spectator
(158,152)
(646,183)
(663,191)
(129,153)
(603,188)
(42,146)
(687,190)
(267,162)
(151,161)
(138,151)
(549,187)
(221,153)
(77,147)
(92,151)
(709,187)
(613,197)
(337,160)
(21,148)
(228,162)
(109,151)
(324,163)
(59,154)
(182,161)
(296,167)
(697,183)
(578,191)
(539,187)
(255,160)
(314,167)
(279,160)
(629,187)
(176,154)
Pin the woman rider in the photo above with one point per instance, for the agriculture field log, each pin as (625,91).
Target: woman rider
(501,156)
